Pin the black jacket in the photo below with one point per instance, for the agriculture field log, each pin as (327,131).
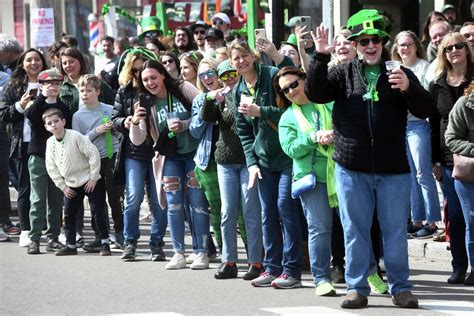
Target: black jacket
(9,115)
(39,134)
(123,108)
(439,120)
(369,136)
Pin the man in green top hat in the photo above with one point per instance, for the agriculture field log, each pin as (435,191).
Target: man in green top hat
(290,48)
(372,172)
(150,26)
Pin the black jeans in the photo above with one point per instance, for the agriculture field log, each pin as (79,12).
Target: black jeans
(97,203)
(5,204)
(23,188)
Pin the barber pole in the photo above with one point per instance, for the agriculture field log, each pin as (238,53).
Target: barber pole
(94,32)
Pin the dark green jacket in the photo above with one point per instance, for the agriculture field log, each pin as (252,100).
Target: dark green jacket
(69,95)
(460,133)
(258,136)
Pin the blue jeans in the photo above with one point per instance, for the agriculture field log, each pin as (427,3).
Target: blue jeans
(233,180)
(135,175)
(177,172)
(424,194)
(281,224)
(457,226)
(318,214)
(465,191)
(359,194)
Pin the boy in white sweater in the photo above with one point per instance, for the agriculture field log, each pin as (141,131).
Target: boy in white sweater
(73,163)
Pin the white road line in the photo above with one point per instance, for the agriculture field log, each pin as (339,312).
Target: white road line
(449,307)
(302,311)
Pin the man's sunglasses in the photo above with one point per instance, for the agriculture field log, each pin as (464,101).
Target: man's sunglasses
(218,22)
(168,61)
(292,85)
(210,73)
(450,48)
(365,41)
(202,32)
(227,76)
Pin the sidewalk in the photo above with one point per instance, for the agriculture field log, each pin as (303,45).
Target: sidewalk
(417,248)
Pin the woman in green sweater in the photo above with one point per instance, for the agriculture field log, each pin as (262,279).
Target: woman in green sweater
(305,132)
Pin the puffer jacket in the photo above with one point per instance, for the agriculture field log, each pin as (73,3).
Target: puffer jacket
(439,121)
(369,136)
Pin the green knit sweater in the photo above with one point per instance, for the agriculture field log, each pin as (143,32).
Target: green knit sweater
(460,133)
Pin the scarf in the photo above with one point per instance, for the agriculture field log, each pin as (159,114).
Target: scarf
(327,150)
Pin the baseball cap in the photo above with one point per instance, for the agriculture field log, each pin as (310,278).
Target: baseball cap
(224,67)
(50,75)
(293,21)
(198,24)
(221,16)
(447,7)
(214,33)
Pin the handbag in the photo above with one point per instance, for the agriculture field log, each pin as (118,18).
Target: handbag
(165,145)
(463,168)
(302,185)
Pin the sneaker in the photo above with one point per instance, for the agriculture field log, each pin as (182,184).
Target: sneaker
(12,229)
(425,232)
(253,272)
(325,289)
(264,280)
(376,283)
(411,229)
(66,251)
(440,236)
(354,300)
(201,262)
(33,248)
(470,279)
(284,281)
(24,238)
(157,253)
(405,300)
(119,241)
(337,274)
(53,245)
(190,259)
(3,234)
(94,246)
(226,271)
(105,250)
(79,241)
(177,262)
(457,278)
(130,252)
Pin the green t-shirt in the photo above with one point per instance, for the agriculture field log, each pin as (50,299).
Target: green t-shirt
(186,143)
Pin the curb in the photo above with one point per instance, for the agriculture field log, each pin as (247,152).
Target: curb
(428,249)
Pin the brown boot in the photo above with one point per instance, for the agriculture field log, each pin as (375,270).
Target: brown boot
(354,300)
(405,300)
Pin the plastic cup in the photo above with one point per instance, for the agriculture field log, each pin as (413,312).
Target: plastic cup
(171,118)
(392,65)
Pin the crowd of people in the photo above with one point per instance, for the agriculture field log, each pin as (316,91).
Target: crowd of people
(336,142)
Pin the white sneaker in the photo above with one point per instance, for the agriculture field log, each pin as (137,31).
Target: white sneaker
(62,238)
(190,259)
(3,234)
(177,262)
(201,262)
(24,239)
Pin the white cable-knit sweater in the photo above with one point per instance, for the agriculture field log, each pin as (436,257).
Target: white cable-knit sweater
(72,161)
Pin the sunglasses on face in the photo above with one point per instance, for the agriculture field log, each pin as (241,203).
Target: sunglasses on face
(202,32)
(134,70)
(227,76)
(218,22)
(450,48)
(210,73)
(168,61)
(365,41)
(292,85)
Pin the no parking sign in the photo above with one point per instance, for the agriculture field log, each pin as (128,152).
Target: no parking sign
(42,27)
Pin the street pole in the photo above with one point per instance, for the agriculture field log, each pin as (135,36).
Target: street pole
(278,30)
(252,21)
(328,18)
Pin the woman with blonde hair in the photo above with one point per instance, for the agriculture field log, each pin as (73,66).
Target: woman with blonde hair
(189,63)
(344,49)
(453,74)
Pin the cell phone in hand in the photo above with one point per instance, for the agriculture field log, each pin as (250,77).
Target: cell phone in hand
(145,102)
(305,21)
(33,93)
(260,35)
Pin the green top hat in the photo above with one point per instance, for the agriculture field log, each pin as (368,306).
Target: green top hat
(292,40)
(368,22)
(149,23)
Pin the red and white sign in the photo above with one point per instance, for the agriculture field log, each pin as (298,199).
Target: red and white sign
(42,27)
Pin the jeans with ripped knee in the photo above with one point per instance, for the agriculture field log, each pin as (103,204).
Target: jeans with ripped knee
(178,176)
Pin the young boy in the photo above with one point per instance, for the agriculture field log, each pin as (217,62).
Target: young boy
(93,120)
(46,199)
(73,163)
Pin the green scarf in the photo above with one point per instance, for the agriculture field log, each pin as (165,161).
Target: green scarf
(327,150)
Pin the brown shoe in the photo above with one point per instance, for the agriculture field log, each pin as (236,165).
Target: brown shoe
(354,300)
(405,300)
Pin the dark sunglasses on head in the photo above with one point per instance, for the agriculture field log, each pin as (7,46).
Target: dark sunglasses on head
(210,73)
(202,32)
(292,85)
(168,61)
(218,22)
(365,41)
(450,48)
(227,76)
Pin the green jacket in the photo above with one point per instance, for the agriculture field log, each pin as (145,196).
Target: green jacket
(69,95)
(258,135)
(460,133)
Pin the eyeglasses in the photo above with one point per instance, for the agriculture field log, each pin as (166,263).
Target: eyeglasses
(450,48)
(202,32)
(210,73)
(228,75)
(365,41)
(134,70)
(168,61)
(217,22)
(406,45)
(51,82)
(292,85)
